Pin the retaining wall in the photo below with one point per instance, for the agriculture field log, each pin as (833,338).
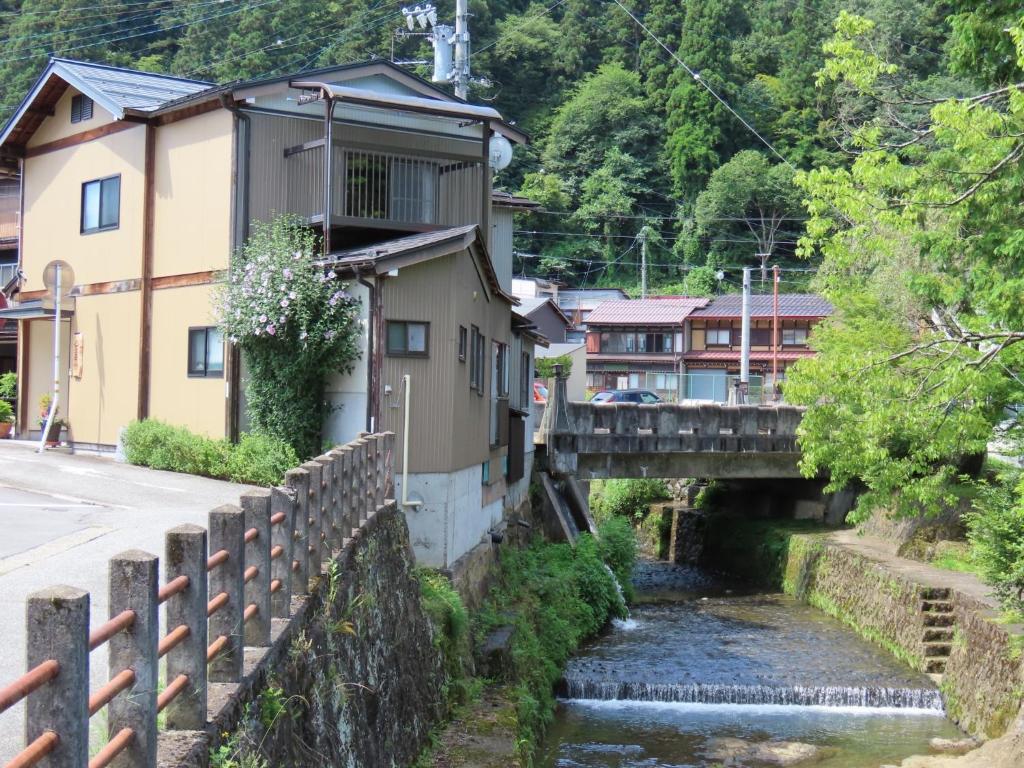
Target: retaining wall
(983,685)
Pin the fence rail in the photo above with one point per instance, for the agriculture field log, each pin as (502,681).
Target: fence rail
(222,585)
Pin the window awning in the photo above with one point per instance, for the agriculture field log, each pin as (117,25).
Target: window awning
(35,309)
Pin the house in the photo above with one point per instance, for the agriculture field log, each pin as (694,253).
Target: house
(689,348)
(712,358)
(546,316)
(638,343)
(146,184)
(578,303)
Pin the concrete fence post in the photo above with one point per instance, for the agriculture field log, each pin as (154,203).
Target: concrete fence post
(382,474)
(186,556)
(389,466)
(344,469)
(256,508)
(134,583)
(57,627)
(316,472)
(298,481)
(359,483)
(370,489)
(330,507)
(282,501)
(227,532)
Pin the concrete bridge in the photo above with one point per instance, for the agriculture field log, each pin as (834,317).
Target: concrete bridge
(665,440)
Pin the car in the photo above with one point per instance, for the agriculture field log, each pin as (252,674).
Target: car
(626,396)
(540,393)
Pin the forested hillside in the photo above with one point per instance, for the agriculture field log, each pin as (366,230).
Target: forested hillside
(626,137)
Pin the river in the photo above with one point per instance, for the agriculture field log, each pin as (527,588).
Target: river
(707,673)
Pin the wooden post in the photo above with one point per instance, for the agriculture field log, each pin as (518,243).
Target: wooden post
(344,468)
(186,556)
(298,481)
(282,501)
(389,466)
(371,475)
(256,508)
(134,583)
(227,532)
(359,482)
(330,504)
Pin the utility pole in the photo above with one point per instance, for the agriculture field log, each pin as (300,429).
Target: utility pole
(461,48)
(745,339)
(775,333)
(643,261)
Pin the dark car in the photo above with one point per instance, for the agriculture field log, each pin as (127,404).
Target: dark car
(626,396)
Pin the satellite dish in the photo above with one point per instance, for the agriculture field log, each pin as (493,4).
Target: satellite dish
(501,152)
(67,278)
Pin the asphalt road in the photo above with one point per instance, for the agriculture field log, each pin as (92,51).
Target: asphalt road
(61,518)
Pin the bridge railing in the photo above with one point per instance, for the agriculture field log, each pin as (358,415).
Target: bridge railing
(222,586)
(670,419)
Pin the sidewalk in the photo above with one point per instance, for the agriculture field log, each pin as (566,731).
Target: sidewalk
(884,552)
(62,517)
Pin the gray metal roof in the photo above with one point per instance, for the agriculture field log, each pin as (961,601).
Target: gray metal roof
(399,245)
(127,88)
(761,305)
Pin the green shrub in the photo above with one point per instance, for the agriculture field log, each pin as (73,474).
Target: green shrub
(554,596)
(628,498)
(617,544)
(8,385)
(256,460)
(546,366)
(450,620)
(6,412)
(996,532)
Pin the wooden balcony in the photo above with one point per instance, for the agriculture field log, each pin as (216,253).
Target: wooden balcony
(9,204)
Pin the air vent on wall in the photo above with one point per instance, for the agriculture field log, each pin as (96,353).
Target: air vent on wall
(81,108)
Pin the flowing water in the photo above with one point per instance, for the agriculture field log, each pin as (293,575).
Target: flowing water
(703,672)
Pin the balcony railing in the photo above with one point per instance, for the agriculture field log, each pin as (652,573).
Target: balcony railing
(387,190)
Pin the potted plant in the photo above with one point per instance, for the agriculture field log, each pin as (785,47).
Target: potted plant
(53,435)
(6,419)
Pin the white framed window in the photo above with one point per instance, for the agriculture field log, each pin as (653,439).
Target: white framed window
(407,339)
(794,337)
(205,352)
(101,204)
(718,337)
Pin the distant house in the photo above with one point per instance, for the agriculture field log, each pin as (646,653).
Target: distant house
(689,348)
(146,184)
(578,303)
(712,358)
(638,343)
(10,227)
(545,314)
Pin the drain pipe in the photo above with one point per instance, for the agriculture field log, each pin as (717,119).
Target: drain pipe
(406,386)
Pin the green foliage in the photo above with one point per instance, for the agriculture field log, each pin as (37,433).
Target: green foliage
(627,498)
(6,412)
(996,532)
(555,596)
(450,621)
(295,324)
(617,545)
(8,385)
(546,366)
(256,459)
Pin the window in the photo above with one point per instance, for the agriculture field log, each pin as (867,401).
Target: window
(628,342)
(476,360)
(463,341)
(101,204)
(81,108)
(719,337)
(648,398)
(525,375)
(760,337)
(794,336)
(485,473)
(205,352)
(407,339)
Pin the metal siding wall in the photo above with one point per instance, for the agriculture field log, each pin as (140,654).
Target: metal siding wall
(501,245)
(424,292)
(278,184)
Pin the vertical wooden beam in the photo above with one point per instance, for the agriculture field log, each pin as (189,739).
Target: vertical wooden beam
(328,169)
(146,320)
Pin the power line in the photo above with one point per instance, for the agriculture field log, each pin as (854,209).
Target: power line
(696,76)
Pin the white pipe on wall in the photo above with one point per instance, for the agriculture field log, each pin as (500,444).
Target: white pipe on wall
(406,385)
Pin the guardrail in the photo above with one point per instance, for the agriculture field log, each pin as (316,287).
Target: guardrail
(222,586)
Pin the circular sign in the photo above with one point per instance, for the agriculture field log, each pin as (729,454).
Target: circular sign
(67,277)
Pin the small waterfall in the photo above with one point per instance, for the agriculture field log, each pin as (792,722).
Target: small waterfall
(618,590)
(795,695)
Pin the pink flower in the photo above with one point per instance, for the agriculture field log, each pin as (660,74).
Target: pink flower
(287,273)
(284,302)
(271,329)
(263,319)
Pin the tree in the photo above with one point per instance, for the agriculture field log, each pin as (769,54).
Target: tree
(748,199)
(924,260)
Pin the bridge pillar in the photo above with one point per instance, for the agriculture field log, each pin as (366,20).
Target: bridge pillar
(559,431)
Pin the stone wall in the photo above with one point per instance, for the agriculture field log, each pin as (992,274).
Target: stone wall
(353,681)
(983,684)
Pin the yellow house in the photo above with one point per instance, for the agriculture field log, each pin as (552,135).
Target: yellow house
(145,184)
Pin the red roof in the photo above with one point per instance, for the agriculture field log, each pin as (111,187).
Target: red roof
(729,355)
(664,311)
(761,305)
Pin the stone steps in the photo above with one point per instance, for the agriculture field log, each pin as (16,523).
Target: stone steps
(937,638)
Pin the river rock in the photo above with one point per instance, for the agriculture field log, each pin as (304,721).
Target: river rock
(953,746)
(737,752)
